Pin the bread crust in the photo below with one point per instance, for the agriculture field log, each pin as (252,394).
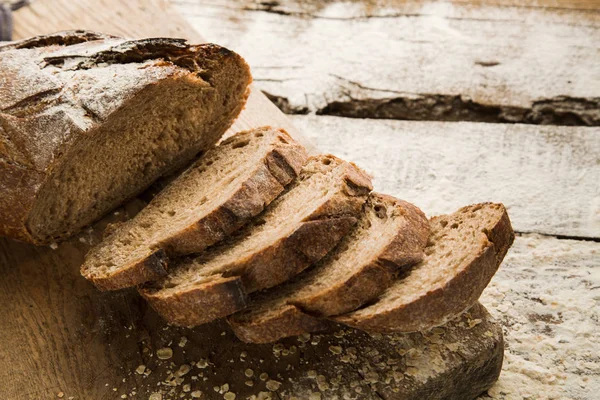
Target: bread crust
(40,125)
(438,306)
(403,250)
(280,166)
(152,268)
(291,254)
(201,302)
(275,171)
(291,321)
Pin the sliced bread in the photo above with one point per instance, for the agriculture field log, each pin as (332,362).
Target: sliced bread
(389,236)
(464,251)
(90,120)
(215,196)
(295,231)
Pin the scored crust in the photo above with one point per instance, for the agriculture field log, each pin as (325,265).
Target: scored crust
(389,237)
(272,160)
(293,233)
(464,252)
(89,120)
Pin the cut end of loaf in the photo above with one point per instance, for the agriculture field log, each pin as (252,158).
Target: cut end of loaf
(464,251)
(297,229)
(389,236)
(115,115)
(248,171)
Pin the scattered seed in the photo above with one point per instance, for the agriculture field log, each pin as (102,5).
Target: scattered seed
(229,396)
(474,322)
(165,353)
(304,338)
(183,370)
(264,376)
(155,396)
(140,369)
(183,341)
(335,349)
(249,373)
(372,377)
(196,394)
(273,385)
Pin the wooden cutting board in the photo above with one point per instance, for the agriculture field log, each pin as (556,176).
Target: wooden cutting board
(61,338)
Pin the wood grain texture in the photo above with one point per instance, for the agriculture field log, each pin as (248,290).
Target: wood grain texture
(546,297)
(546,176)
(420,60)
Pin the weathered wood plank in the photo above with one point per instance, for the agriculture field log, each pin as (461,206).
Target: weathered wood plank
(547,297)
(417,60)
(152,18)
(548,176)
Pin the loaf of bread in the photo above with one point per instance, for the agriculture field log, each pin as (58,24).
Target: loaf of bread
(464,251)
(295,231)
(89,120)
(215,196)
(389,237)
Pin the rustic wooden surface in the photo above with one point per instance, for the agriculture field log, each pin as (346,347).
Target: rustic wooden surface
(545,294)
(427,60)
(547,176)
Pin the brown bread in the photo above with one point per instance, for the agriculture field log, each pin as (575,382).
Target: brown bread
(295,231)
(463,254)
(215,196)
(89,120)
(389,237)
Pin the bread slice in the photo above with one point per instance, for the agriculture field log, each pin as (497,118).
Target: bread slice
(295,231)
(463,253)
(390,236)
(90,120)
(215,196)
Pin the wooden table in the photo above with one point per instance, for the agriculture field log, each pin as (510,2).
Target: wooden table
(444,103)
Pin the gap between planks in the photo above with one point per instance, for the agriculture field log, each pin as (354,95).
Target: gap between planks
(435,61)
